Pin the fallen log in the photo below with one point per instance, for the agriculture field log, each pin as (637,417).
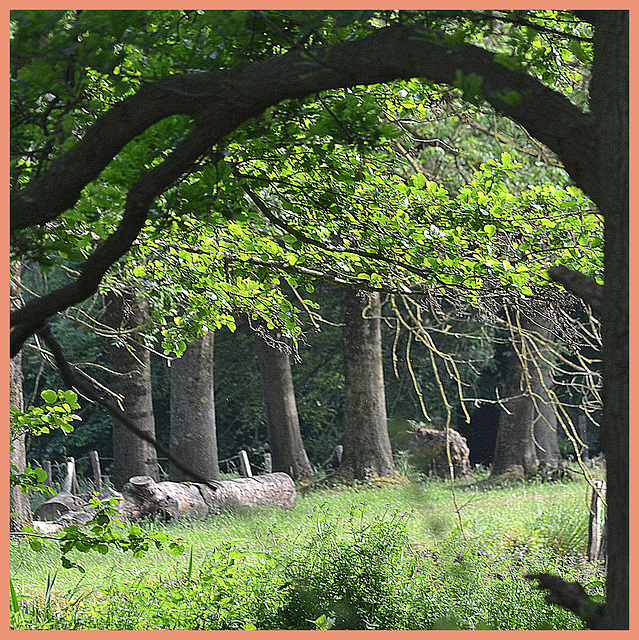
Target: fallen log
(66,508)
(58,505)
(171,500)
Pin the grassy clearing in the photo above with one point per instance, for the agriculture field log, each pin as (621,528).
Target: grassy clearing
(393,557)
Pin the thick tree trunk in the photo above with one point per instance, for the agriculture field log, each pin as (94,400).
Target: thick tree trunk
(515,451)
(282,421)
(527,431)
(609,104)
(193,433)
(366,443)
(131,380)
(20,508)
(541,388)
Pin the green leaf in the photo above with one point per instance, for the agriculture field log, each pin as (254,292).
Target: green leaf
(470,86)
(14,603)
(418,180)
(35,544)
(577,49)
(49,396)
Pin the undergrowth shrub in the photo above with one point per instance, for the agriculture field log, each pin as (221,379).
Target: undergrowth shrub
(343,573)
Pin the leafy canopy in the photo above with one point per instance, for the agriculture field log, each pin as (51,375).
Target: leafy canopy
(313,188)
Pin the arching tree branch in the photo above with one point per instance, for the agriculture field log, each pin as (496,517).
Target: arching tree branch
(224,99)
(140,197)
(220,101)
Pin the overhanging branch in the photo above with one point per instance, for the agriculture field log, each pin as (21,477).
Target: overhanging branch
(220,101)
(139,199)
(581,285)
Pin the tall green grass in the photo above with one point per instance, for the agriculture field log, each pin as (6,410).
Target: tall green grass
(395,557)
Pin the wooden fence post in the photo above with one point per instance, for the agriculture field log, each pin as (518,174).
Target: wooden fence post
(268,463)
(70,482)
(245,465)
(596,550)
(97,473)
(46,465)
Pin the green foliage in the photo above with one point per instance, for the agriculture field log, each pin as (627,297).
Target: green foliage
(104,530)
(324,164)
(346,578)
(470,86)
(56,413)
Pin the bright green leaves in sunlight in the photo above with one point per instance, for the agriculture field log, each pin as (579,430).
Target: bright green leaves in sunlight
(55,413)
(314,188)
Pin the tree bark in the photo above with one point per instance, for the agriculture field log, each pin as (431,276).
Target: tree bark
(609,92)
(282,421)
(173,500)
(20,507)
(131,381)
(193,432)
(545,420)
(366,443)
(515,451)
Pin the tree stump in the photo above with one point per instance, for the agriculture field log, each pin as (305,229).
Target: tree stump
(428,453)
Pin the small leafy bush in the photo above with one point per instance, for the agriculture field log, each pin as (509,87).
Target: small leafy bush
(343,574)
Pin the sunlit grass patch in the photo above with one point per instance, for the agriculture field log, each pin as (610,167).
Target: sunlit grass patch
(399,555)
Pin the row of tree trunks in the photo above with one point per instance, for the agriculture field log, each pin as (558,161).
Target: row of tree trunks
(366,444)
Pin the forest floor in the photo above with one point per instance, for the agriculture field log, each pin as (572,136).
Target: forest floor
(392,557)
